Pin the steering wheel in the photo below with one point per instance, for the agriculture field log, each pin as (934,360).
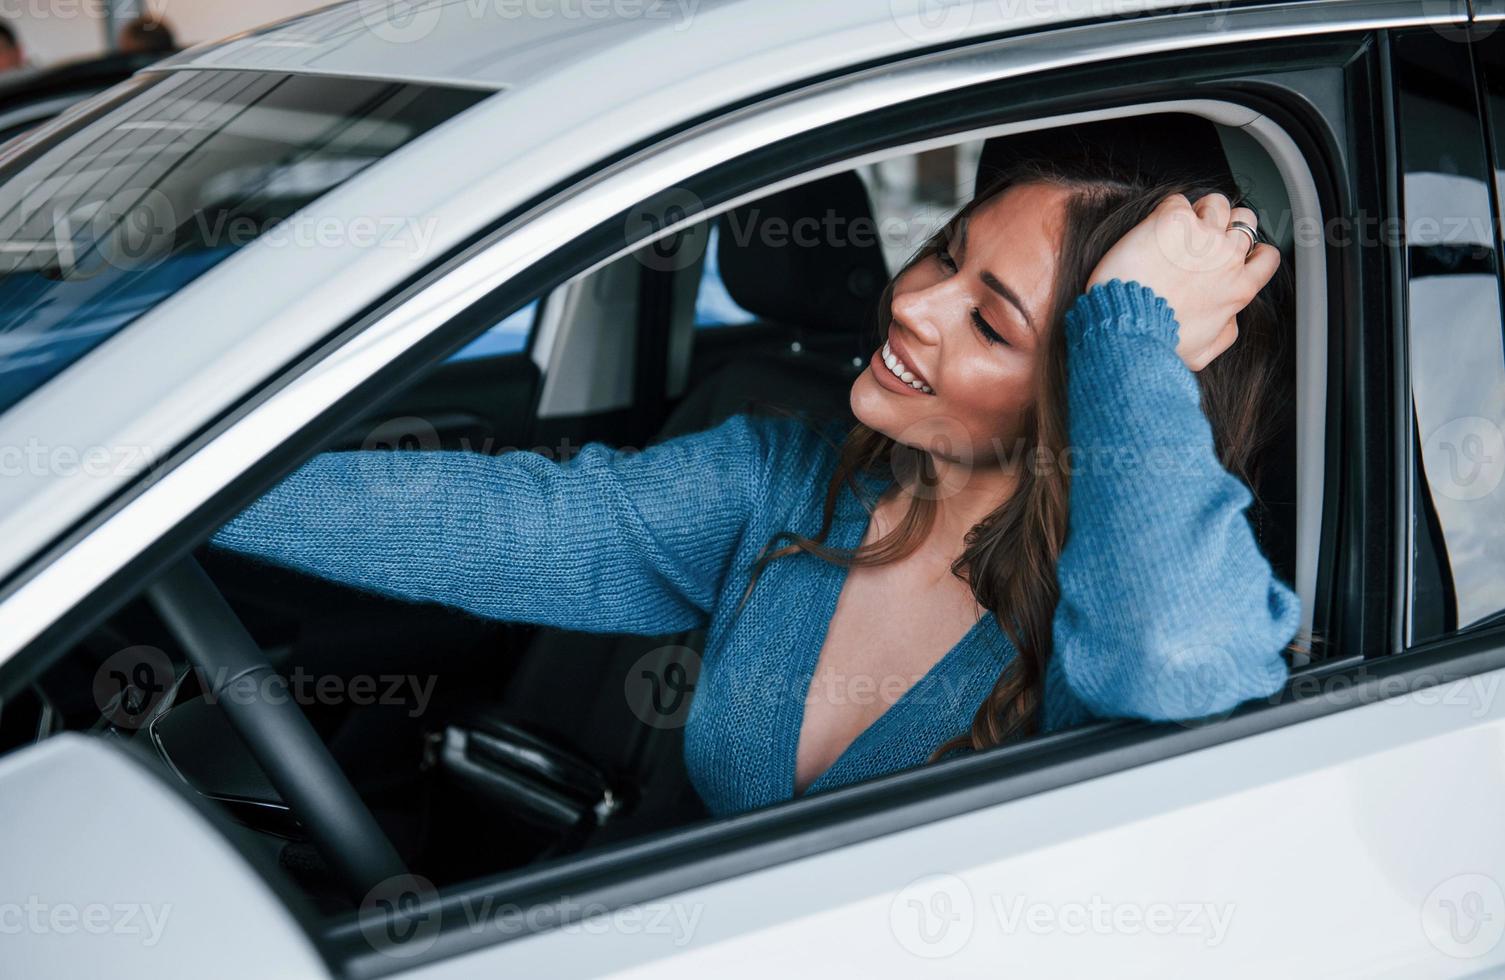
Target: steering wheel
(276,732)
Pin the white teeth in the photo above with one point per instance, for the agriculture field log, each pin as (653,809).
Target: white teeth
(901,371)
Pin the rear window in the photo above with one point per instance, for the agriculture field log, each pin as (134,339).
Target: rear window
(122,205)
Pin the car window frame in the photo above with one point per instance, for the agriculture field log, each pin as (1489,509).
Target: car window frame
(802,826)
(1086,745)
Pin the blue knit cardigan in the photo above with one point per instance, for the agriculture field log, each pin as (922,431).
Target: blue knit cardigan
(1167,608)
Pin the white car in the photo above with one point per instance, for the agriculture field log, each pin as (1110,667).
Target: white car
(485,225)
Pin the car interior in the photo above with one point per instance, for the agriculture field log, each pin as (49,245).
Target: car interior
(486,746)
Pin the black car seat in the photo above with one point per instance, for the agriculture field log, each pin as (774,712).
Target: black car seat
(821,291)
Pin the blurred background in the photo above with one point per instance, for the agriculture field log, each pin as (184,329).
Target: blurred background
(38,34)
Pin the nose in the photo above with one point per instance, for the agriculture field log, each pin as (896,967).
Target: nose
(922,312)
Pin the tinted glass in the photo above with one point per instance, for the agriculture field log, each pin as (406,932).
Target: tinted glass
(1457,366)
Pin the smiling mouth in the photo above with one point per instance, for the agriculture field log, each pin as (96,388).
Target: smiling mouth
(903,371)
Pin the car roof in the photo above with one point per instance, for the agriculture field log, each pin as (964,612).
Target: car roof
(498,44)
(507,44)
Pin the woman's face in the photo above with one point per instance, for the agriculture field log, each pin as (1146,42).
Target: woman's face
(968,324)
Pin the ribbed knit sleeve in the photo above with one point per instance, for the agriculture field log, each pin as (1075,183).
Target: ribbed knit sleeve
(1168,610)
(609,541)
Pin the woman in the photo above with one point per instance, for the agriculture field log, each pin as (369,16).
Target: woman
(928,585)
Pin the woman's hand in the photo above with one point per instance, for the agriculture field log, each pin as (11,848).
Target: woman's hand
(1191,256)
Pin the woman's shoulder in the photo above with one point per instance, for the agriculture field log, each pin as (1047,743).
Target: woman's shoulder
(790,441)
(792,450)
(777,436)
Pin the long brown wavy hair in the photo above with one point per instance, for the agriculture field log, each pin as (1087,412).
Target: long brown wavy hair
(1009,559)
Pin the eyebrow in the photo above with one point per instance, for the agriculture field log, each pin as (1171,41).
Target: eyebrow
(993,283)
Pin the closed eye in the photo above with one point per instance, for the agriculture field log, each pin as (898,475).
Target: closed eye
(983,327)
(988,333)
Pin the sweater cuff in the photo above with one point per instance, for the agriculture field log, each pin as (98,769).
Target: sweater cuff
(1119,308)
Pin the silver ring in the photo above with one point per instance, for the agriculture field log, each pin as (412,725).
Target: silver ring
(1248,230)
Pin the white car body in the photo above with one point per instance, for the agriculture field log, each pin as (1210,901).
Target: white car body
(1361,836)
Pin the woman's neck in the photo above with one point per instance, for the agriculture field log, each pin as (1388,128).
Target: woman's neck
(964,495)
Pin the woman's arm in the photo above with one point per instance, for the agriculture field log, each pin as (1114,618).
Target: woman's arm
(1168,610)
(610,541)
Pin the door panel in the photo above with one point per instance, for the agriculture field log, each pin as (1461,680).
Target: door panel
(1361,844)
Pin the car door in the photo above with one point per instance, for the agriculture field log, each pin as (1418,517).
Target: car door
(1348,828)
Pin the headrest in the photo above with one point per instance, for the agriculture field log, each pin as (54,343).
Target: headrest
(808,256)
(1162,145)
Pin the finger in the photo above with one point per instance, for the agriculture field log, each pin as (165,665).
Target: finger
(1246,240)
(1214,209)
(1175,202)
(1259,269)
(1246,215)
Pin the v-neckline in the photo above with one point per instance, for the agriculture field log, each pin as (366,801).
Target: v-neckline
(844,522)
